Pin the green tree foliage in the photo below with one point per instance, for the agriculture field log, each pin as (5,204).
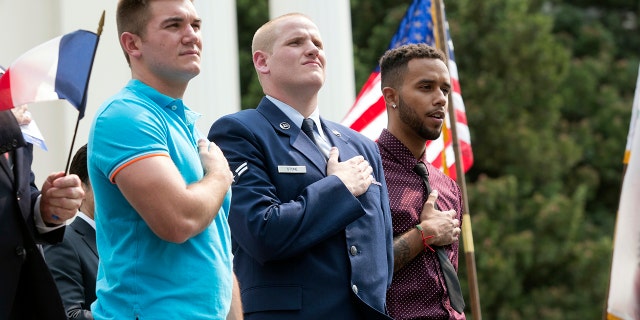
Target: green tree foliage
(548,91)
(599,90)
(548,86)
(251,15)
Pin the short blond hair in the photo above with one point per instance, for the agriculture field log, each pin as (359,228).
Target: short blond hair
(266,35)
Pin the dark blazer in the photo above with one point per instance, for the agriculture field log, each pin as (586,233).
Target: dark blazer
(10,134)
(26,285)
(304,247)
(74,264)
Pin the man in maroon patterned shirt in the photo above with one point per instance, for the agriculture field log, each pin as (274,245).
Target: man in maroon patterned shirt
(416,85)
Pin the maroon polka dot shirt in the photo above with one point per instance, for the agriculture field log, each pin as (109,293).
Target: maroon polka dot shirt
(418,290)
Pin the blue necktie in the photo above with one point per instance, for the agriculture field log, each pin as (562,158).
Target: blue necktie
(307,128)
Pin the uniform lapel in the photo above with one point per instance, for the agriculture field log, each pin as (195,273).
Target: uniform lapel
(301,143)
(339,140)
(21,181)
(10,139)
(87,232)
(297,139)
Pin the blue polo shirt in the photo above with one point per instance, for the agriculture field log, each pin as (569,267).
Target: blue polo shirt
(139,274)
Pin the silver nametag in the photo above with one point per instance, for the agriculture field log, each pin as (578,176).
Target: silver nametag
(292,169)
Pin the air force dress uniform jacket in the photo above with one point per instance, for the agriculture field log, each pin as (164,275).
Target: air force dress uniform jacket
(304,247)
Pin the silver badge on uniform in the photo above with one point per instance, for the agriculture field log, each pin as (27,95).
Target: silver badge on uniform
(292,169)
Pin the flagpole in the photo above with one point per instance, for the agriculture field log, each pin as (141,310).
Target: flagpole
(467,235)
(84,98)
(75,132)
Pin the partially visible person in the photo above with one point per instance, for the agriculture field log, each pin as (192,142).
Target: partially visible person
(162,192)
(29,217)
(10,135)
(310,223)
(74,261)
(416,85)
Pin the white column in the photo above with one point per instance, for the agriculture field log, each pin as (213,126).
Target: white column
(333,18)
(216,91)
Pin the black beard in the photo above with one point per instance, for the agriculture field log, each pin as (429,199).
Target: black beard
(409,117)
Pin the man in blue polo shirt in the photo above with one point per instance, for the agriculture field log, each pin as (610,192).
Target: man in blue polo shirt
(161,190)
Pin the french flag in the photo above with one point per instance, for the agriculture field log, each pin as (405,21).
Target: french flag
(57,69)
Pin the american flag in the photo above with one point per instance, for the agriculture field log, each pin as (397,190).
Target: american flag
(368,114)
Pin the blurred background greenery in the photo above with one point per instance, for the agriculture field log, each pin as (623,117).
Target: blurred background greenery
(548,87)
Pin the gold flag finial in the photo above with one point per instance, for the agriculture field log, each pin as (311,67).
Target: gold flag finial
(101,24)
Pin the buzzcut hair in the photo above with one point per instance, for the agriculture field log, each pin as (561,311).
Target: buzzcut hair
(266,35)
(395,61)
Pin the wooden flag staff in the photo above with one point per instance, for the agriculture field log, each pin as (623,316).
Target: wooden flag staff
(467,235)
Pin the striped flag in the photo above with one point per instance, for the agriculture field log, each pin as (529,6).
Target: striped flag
(57,69)
(635,113)
(368,114)
(624,284)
